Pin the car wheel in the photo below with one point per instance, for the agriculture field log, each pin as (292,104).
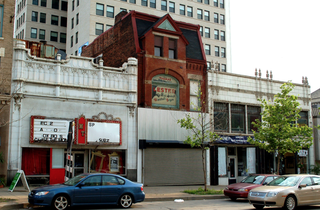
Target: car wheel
(290,203)
(259,207)
(233,198)
(60,202)
(125,201)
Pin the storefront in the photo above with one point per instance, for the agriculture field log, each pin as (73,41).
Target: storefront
(233,158)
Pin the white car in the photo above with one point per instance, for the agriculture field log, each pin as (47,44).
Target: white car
(287,191)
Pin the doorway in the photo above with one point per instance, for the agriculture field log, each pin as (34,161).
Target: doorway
(232,169)
(78,162)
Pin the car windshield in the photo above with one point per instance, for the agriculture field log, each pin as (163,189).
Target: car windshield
(286,181)
(253,179)
(75,180)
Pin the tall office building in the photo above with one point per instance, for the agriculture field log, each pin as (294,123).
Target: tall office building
(88,19)
(42,20)
(68,25)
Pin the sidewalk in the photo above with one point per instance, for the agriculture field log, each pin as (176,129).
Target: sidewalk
(159,193)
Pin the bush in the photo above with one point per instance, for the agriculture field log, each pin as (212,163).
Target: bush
(315,169)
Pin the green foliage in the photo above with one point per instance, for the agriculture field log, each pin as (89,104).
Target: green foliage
(315,168)
(201,191)
(278,130)
(2,181)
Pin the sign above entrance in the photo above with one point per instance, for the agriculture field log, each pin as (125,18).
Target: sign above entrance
(49,130)
(303,153)
(232,140)
(104,132)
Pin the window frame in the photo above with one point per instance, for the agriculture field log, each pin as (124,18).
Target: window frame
(98,30)
(223,37)
(215,17)
(51,37)
(217,51)
(172,9)
(182,10)
(55,4)
(164,5)
(158,46)
(63,38)
(222,20)
(216,34)
(43,18)
(238,124)
(34,16)
(53,21)
(43,3)
(207,49)
(199,14)
(31,33)
(144,3)
(207,32)
(221,116)
(44,35)
(195,96)
(189,11)
(153,3)
(206,14)
(63,21)
(98,11)
(109,13)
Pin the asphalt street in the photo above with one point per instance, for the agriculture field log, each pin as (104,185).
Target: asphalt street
(218,204)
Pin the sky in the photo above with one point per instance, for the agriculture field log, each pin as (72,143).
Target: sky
(278,35)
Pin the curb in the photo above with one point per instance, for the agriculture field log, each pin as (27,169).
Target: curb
(150,199)
(198,197)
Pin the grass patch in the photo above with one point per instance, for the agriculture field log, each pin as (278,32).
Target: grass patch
(201,191)
(6,200)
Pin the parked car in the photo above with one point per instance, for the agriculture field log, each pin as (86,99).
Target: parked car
(287,191)
(241,189)
(89,189)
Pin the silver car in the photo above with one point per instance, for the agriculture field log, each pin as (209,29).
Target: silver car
(287,191)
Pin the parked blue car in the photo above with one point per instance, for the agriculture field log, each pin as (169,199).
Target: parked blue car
(89,189)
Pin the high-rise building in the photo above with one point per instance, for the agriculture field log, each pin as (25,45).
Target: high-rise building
(68,25)
(42,20)
(88,19)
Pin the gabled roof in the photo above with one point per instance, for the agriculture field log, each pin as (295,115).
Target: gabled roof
(146,24)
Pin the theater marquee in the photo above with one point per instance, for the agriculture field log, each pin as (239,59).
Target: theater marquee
(53,130)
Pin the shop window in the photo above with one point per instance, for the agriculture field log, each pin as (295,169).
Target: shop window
(165,91)
(303,120)
(57,158)
(158,42)
(237,118)
(173,48)
(194,95)
(253,114)
(222,164)
(242,161)
(251,160)
(40,164)
(108,161)
(221,117)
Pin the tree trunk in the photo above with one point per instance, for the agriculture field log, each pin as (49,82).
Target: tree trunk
(204,169)
(278,167)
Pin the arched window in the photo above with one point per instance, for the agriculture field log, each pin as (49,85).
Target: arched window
(165,91)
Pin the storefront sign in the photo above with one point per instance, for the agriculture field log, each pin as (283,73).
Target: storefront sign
(104,132)
(49,130)
(303,153)
(233,140)
(164,90)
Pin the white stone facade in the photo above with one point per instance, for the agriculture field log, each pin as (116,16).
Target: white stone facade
(65,90)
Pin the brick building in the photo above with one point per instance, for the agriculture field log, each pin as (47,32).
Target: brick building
(6,46)
(171,69)
(163,47)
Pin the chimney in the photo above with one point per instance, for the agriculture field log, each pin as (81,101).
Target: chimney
(119,16)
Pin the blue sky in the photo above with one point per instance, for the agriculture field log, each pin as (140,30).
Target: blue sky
(278,35)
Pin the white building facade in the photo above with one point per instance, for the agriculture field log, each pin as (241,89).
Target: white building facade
(55,97)
(233,100)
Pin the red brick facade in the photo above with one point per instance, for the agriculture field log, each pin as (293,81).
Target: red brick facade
(133,35)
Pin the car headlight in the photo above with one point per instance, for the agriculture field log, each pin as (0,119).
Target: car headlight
(243,190)
(226,188)
(42,193)
(272,194)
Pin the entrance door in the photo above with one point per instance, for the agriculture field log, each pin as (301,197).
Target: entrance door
(77,163)
(232,169)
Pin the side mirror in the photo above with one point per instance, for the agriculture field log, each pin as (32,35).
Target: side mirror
(80,185)
(302,185)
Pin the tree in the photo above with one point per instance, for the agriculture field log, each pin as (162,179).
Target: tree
(278,130)
(200,126)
